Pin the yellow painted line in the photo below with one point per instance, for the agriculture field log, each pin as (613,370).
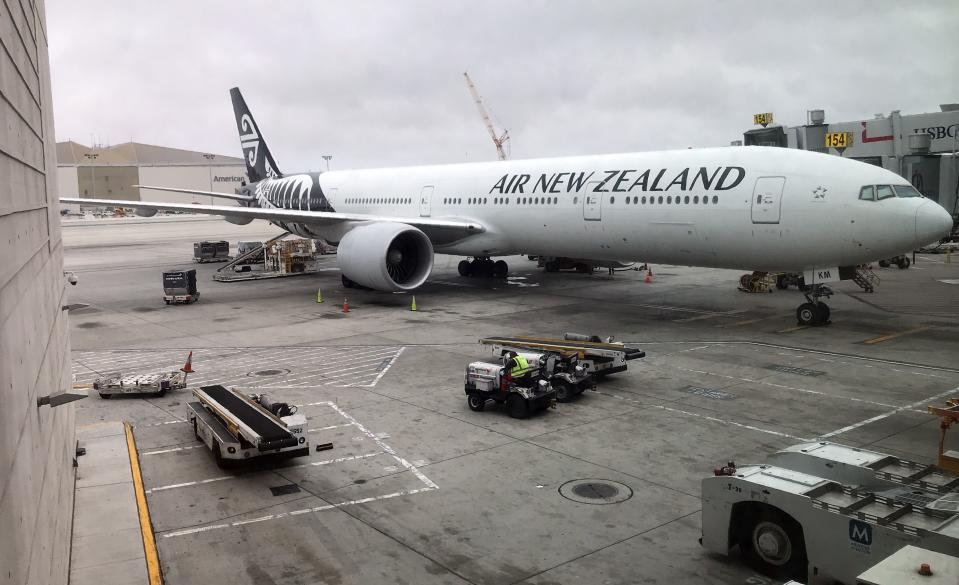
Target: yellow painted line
(882,338)
(146,528)
(791,329)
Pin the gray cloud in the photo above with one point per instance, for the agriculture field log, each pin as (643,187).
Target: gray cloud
(380,83)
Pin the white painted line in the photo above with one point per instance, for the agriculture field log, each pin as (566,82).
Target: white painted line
(188,483)
(888,414)
(329,428)
(160,424)
(171,450)
(199,529)
(706,417)
(419,474)
(337,460)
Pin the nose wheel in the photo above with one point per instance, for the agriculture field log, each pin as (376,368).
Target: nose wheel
(814,312)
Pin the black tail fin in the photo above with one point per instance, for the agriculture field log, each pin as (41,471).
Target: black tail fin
(259,162)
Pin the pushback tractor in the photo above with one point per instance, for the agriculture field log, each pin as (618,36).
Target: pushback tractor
(821,513)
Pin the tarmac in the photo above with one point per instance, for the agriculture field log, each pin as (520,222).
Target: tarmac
(419,489)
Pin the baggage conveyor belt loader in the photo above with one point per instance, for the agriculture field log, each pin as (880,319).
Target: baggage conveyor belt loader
(599,356)
(237,427)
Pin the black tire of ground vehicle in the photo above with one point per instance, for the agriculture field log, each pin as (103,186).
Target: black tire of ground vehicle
(518,408)
(464,268)
(162,392)
(903,263)
(105,396)
(806,314)
(218,455)
(772,543)
(166,301)
(564,393)
(475,401)
(500,269)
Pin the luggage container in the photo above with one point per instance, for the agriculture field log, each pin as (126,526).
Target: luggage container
(179,286)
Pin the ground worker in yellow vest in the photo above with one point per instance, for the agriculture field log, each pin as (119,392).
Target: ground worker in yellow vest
(517,369)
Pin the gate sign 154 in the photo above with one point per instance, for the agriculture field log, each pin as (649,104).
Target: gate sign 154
(763,119)
(838,139)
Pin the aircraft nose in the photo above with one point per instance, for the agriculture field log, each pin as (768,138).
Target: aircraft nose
(932,223)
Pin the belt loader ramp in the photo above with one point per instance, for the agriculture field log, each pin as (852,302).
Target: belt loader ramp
(237,427)
(601,357)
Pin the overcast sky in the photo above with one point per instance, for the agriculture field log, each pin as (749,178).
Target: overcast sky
(380,84)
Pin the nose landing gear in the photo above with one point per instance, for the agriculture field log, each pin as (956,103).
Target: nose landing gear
(814,312)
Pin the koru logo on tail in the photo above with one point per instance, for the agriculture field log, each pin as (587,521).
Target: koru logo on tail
(250,141)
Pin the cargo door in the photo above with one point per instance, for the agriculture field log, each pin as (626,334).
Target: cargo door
(767,199)
(592,203)
(426,195)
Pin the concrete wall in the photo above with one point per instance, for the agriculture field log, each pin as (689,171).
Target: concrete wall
(36,444)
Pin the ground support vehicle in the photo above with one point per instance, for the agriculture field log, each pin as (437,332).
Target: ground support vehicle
(902,262)
(790,524)
(866,469)
(486,381)
(158,383)
(211,251)
(564,372)
(599,357)
(237,427)
(557,263)
(179,286)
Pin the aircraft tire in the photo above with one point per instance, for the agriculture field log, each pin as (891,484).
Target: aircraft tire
(807,314)
(464,268)
(500,269)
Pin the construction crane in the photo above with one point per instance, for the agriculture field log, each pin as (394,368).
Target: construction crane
(500,140)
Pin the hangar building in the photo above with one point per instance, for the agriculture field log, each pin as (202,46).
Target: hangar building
(110,172)
(921,147)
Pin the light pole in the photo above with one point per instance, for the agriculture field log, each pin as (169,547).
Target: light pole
(209,166)
(327,158)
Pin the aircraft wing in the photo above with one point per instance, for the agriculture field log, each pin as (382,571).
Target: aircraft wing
(429,225)
(195,192)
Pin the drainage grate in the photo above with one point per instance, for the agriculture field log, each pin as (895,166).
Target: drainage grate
(795,370)
(284,490)
(269,372)
(595,491)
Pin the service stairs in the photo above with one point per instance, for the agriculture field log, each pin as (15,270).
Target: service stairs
(866,279)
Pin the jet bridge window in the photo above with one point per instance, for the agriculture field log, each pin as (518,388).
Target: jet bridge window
(884,192)
(868,193)
(906,191)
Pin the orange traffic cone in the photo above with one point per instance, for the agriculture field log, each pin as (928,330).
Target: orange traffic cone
(346,305)
(188,366)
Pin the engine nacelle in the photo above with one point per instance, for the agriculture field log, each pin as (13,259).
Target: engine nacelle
(145,212)
(385,256)
(238,220)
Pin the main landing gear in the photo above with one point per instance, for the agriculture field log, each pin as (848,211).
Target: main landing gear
(483,266)
(814,312)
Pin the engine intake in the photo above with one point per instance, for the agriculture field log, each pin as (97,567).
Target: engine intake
(386,256)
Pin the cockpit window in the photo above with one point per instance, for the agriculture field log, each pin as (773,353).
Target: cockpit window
(906,191)
(884,192)
(868,193)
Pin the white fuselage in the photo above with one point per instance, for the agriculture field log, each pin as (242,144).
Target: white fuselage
(751,208)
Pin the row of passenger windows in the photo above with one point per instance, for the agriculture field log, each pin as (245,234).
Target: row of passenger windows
(879,192)
(695,200)
(379,200)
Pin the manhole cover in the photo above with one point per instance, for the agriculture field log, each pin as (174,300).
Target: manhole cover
(269,372)
(595,491)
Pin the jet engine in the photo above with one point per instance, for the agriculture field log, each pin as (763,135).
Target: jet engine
(385,256)
(238,220)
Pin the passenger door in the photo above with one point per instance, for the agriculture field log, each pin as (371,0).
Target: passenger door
(592,203)
(767,199)
(426,195)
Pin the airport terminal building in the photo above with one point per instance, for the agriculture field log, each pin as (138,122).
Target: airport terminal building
(110,172)
(923,148)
